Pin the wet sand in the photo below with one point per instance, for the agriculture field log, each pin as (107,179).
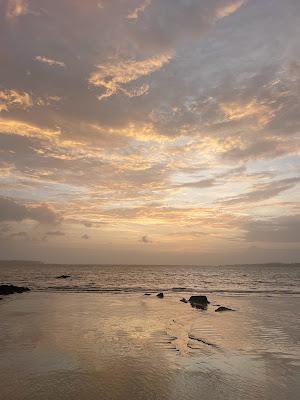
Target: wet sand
(130,346)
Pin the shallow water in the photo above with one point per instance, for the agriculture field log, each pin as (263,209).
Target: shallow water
(130,346)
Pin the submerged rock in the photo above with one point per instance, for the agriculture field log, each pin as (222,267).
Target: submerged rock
(11,289)
(184,300)
(63,276)
(160,295)
(222,308)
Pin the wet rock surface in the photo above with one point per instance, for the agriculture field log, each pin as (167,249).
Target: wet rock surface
(222,308)
(199,302)
(11,289)
(199,299)
(184,300)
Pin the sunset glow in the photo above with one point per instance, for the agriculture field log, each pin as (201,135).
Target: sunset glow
(139,132)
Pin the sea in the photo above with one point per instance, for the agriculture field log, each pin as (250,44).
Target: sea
(266,279)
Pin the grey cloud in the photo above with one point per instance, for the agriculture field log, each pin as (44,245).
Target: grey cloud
(217,179)
(262,192)
(18,235)
(204,183)
(11,210)
(55,233)
(258,149)
(146,239)
(282,229)
(165,23)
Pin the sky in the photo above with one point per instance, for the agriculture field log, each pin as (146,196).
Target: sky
(150,131)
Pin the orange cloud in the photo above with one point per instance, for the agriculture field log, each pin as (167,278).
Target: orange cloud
(16,8)
(14,99)
(236,111)
(49,61)
(113,76)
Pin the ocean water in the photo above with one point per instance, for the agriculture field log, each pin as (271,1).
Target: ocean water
(271,279)
(97,336)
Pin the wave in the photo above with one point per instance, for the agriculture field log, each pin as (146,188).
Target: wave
(128,290)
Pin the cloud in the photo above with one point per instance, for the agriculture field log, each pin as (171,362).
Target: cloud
(49,61)
(138,10)
(196,127)
(14,99)
(18,235)
(275,230)
(114,76)
(263,192)
(146,239)
(252,109)
(20,128)
(158,25)
(204,183)
(16,8)
(55,233)
(11,210)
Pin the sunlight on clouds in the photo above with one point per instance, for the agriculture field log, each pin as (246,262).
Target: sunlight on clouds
(49,61)
(24,129)
(141,132)
(138,10)
(236,111)
(16,8)
(229,9)
(112,77)
(194,138)
(13,98)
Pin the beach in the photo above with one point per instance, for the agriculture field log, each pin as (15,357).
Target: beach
(131,346)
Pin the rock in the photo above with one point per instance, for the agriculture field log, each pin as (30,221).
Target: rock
(63,276)
(222,308)
(147,294)
(160,295)
(199,302)
(11,289)
(184,300)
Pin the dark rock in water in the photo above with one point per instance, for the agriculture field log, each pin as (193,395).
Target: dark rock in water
(222,308)
(198,300)
(147,294)
(160,295)
(11,289)
(183,300)
(63,276)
